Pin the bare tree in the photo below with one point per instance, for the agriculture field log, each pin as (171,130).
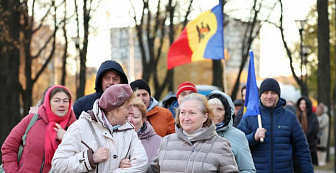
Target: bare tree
(288,51)
(323,36)
(83,41)
(9,64)
(333,105)
(151,32)
(251,32)
(65,48)
(28,29)
(217,66)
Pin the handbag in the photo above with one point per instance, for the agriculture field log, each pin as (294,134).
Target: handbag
(30,125)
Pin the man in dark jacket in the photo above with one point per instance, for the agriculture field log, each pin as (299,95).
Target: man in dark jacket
(109,73)
(160,118)
(240,112)
(282,133)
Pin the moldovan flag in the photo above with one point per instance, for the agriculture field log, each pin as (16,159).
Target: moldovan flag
(251,106)
(201,38)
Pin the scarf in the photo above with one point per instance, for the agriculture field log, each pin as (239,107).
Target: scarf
(193,134)
(220,125)
(51,143)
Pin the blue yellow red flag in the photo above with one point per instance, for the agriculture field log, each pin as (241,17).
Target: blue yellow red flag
(201,38)
(251,105)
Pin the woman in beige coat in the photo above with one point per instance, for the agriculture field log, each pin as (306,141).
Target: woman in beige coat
(112,138)
(195,147)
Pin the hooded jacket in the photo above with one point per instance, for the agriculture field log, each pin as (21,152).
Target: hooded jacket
(237,138)
(150,140)
(85,103)
(160,118)
(33,151)
(206,152)
(73,154)
(283,138)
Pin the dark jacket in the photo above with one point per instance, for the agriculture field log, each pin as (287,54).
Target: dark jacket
(85,103)
(173,108)
(313,128)
(238,117)
(284,136)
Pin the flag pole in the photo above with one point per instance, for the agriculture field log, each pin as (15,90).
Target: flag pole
(260,126)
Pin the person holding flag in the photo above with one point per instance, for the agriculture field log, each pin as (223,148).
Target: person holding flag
(281,131)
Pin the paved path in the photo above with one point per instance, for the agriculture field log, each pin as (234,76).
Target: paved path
(323,171)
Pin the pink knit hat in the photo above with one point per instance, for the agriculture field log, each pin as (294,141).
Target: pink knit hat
(184,87)
(114,96)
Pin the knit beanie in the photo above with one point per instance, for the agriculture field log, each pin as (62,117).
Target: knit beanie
(269,84)
(114,96)
(184,87)
(140,84)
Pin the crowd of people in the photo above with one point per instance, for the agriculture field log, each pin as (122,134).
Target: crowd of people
(121,128)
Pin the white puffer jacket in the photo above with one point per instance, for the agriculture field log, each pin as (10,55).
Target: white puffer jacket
(72,154)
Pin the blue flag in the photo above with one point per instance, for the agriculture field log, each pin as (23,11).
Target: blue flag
(252,97)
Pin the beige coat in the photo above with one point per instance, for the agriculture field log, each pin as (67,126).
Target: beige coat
(71,155)
(205,153)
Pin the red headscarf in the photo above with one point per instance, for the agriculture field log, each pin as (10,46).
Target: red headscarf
(51,143)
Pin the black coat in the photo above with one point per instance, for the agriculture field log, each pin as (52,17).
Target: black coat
(85,103)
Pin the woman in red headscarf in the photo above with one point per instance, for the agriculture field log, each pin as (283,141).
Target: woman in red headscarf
(54,117)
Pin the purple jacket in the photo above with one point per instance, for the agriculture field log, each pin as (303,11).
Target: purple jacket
(150,140)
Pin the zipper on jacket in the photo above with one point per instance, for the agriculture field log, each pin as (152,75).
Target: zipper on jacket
(272,140)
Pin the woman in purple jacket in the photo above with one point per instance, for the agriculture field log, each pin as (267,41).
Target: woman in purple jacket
(150,140)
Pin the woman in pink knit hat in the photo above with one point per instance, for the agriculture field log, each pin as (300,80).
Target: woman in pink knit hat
(102,137)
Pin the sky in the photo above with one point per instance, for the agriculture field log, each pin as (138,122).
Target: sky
(272,53)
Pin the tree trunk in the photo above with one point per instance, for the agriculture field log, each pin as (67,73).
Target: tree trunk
(9,64)
(217,74)
(323,72)
(83,52)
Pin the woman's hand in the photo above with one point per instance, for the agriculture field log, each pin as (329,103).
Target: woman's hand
(59,132)
(101,155)
(125,163)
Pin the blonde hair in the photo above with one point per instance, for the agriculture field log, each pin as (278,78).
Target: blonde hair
(215,101)
(203,106)
(141,106)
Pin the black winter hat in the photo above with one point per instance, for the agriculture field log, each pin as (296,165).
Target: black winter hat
(269,84)
(140,84)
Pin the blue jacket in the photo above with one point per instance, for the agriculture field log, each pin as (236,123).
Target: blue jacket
(238,141)
(85,103)
(284,136)
(173,108)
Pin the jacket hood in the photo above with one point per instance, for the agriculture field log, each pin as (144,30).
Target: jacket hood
(308,105)
(149,132)
(106,66)
(152,103)
(228,105)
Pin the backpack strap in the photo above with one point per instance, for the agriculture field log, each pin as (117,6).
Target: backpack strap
(30,125)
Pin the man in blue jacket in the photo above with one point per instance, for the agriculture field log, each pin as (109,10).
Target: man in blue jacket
(282,133)
(109,73)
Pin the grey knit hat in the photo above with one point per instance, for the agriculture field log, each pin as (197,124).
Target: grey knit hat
(270,84)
